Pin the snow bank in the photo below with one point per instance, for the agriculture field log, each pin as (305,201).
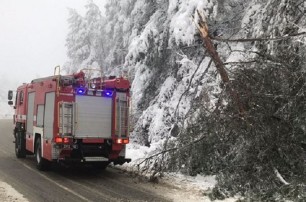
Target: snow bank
(9,194)
(180,187)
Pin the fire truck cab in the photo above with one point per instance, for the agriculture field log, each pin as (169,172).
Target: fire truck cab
(72,119)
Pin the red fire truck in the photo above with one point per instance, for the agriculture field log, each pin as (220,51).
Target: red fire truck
(72,119)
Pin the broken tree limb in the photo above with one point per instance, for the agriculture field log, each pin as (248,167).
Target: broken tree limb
(203,30)
(170,150)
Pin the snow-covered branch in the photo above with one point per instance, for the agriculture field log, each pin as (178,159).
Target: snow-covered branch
(280,177)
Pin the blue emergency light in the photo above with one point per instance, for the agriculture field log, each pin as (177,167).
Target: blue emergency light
(108,93)
(81,91)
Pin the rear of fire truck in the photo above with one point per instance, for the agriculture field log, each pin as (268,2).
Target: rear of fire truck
(94,127)
(72,119)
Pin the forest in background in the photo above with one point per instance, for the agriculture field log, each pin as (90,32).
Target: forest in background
(180,104)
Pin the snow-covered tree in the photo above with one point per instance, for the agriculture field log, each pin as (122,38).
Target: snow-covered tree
(77,45)
(179,100)
(84,41)
(93,20)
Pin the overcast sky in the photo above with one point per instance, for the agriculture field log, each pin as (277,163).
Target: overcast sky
(32,37)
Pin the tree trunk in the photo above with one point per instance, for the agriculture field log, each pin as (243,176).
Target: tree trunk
(203,29)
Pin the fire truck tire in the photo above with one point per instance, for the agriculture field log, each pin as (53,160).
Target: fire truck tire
(20,149)
(41,163)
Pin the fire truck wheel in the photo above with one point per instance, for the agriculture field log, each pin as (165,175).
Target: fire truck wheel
(20,150)
(41,163)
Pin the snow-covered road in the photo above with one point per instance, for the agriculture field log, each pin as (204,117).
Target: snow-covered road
(21,174)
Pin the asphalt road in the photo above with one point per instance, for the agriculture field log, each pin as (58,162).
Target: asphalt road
(68,184)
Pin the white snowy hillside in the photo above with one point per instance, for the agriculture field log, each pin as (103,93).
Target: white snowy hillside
(183,112)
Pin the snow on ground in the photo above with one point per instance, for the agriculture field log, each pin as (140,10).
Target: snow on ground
(9,194)
(179,187)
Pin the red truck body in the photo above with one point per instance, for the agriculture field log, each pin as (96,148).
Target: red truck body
(72,119)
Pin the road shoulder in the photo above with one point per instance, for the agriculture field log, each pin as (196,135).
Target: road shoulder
(9,194)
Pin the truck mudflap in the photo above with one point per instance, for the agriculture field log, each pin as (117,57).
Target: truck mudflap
(121,160)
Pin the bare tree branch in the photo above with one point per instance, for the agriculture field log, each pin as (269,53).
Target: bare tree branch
(240,62)
(171,149)
(188,87)
(259,39)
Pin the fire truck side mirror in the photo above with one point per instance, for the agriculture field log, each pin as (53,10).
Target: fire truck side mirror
(10,95)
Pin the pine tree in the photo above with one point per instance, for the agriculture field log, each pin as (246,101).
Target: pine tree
(94,33)
(85,44)
(76,42)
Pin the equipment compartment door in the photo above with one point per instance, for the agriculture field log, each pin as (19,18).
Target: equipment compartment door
(30,114)
(49,115)
(94,116)
(48,125)
(29,122)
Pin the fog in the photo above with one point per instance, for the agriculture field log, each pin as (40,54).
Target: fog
(32,39)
